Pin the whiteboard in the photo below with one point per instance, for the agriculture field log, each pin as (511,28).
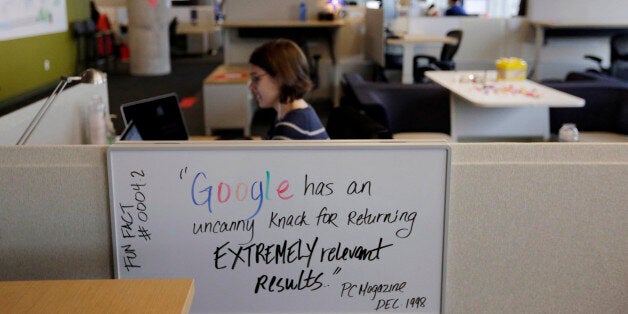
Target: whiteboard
(298,227)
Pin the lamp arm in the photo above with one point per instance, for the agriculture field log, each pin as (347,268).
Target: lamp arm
(42,111)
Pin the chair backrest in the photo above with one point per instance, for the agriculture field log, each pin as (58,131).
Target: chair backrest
(619,56)
(619,47)
(402,107)
(90,27)
(78,28)
(605,109)
(449,50)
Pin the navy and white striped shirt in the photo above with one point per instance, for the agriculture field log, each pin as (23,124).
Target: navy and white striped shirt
(299,124)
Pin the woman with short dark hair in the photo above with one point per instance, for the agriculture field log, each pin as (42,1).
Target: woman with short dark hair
(280,79)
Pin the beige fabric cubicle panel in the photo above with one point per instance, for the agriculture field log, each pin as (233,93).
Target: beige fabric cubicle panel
(538,228)
(531,227)
(54,213)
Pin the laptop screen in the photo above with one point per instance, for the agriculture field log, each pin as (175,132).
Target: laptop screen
(156,119)
(131,133)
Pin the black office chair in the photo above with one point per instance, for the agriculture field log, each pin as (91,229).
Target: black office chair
(92,48)
(178,42)
(619,58)
(422,63)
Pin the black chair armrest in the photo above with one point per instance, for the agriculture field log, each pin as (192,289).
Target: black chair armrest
(594,58)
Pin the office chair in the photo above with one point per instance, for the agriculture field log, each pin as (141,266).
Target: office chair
(178,42)
(422,63)
(95,48)
(619,58)
(84,47)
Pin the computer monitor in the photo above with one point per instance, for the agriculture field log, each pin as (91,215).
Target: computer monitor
(156,118)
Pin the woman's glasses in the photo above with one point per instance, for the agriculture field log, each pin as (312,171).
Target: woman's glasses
(255,78)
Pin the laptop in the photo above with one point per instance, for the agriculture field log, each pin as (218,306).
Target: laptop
(130,133)
(157,118)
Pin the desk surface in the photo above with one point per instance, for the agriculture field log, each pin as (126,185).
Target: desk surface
(482,89)
(229,74)
(198,28)
(580,24)
(97,296)
(282,24)
(421,39)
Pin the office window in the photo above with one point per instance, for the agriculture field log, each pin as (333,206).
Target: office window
(503,8)
(476,7)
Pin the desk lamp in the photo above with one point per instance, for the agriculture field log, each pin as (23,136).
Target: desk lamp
(89,76)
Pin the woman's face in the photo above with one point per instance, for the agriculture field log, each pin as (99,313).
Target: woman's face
(264,88)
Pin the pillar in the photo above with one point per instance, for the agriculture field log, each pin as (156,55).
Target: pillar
(148,37)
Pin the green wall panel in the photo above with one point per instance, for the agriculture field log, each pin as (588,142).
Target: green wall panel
(22,60)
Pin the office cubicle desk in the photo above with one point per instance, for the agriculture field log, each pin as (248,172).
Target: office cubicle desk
(483,108)
(408,42)
(97,296)
(581,28)
(202,37)
(299,31)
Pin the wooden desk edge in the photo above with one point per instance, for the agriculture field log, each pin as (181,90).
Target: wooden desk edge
(189,299)
(34,295)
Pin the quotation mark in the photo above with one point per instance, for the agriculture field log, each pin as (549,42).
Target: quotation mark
(337,271)
(182,171)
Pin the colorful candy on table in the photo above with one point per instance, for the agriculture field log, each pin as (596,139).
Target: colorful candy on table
(509,89)
(508,69)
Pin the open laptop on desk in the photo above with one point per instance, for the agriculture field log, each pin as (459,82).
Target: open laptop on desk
(131,133)
(154,119)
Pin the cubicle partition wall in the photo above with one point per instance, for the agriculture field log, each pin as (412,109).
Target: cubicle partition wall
(531,227)
(55,213)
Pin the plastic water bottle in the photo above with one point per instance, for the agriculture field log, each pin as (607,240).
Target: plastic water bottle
(568,132)
(97,121)
(302,11)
